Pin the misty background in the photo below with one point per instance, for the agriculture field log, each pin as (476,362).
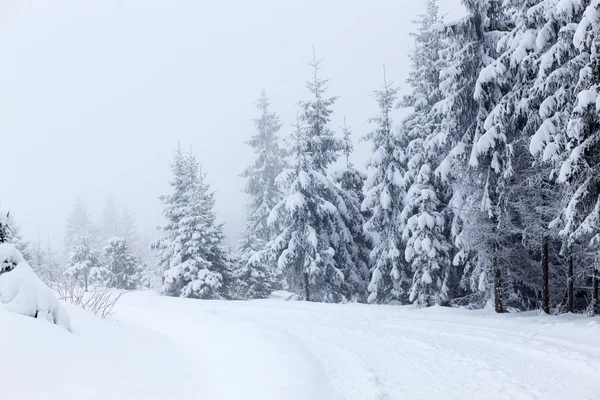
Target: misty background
(96,94)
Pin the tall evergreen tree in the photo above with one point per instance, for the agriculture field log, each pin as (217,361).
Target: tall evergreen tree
(471,45)
(390,277)
(563,72)
(80,220)
(426,229)
(315,248)
(257,278)
(190,252)
(350,182)
(81,241)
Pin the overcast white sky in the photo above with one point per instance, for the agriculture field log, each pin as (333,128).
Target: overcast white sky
(95,94)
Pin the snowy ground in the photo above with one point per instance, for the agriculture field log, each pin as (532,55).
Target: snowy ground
(158,348)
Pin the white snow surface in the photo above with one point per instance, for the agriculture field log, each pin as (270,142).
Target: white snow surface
(157,347)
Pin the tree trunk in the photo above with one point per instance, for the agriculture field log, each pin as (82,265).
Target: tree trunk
(545,291)
(497,285)
(306,289)
(596,278)
(570,283)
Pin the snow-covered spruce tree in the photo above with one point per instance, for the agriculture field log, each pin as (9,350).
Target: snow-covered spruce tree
(81,239)
(79,220)
(150,275)
(256,279)
(562,70)
(123,266)
(513,120)
(11,233)
(501,95)
(15,237)
(127,228)
(470,47)
(350,178)
(581,168)
(385,190)
(190,252)
(351,183)
(83,261)
(460,63)
(425,227)
(315,249)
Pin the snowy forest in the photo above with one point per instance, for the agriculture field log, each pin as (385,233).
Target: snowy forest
(484,193)
(315,200)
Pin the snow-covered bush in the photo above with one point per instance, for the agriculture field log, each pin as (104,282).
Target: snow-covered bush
(22,292)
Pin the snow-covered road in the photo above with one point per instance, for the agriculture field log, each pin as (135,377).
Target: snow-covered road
(274,349)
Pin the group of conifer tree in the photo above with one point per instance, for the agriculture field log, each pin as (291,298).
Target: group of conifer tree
(485,193)
(109,255)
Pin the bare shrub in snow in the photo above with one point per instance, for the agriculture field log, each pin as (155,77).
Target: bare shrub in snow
(100,301)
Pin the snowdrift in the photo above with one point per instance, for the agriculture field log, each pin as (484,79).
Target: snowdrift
(22,292)
(99,360)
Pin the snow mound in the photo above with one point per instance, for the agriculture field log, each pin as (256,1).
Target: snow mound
(100,360)
(22,292)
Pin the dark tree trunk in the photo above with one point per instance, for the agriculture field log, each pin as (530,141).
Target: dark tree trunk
(306,288)
(545,291)
(497,285)
(570,283)
(596,278)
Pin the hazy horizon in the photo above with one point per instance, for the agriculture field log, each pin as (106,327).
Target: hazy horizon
(96,95)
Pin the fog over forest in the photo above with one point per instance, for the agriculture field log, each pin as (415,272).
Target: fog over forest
(99,93)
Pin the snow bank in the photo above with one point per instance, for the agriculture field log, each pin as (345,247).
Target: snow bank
(22,292)
(100,360)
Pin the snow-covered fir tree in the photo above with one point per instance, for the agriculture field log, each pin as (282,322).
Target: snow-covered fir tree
(256,279)
(191,254)
(426,230)
(81,246)
(565,71)
(469,49)
(124,268)
(385,190)
(80,220)
(315,249)
(127,228)
(351,184)
(16,238)
(83,261)
(510,82)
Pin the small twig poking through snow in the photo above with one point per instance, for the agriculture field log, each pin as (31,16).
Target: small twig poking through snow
(101,301)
